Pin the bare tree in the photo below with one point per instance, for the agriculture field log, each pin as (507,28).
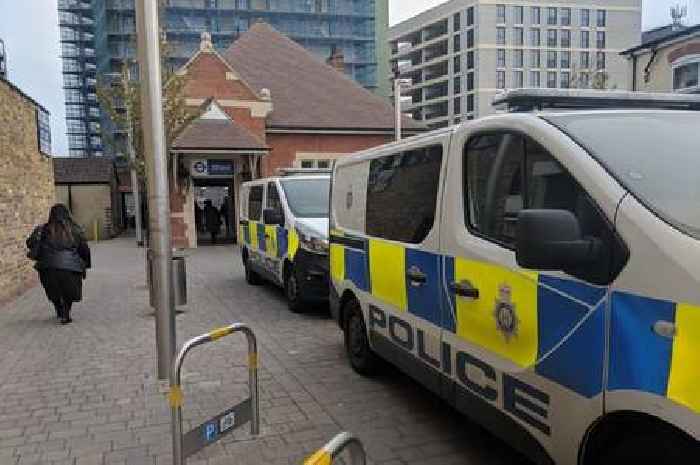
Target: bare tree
(584,79)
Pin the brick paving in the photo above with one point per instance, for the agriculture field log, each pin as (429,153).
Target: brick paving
(86,393)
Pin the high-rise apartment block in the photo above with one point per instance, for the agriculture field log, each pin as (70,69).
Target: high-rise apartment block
(3,61)
(460,54)
(97,36)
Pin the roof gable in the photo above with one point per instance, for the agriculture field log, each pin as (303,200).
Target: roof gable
(307,93)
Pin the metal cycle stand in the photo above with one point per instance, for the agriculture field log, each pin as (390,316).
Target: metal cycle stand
(226,422)
(335,447)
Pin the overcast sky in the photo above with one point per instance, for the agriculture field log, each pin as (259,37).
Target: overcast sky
(30,31)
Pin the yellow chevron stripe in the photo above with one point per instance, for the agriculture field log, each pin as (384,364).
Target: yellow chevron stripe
(387,262)
(337,253)
(292,243)
(253,232)
(683,385)
(271,241)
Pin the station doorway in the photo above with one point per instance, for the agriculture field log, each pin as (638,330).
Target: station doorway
(214,211)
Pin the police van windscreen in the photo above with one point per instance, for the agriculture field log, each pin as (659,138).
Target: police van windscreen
(308,198)
(654,155)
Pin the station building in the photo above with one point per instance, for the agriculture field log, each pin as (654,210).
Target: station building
(265,103)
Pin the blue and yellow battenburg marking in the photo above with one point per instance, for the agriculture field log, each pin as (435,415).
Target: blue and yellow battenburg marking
(555,320)
(273,241)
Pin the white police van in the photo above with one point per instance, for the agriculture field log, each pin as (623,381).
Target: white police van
(538,269)
(284,234)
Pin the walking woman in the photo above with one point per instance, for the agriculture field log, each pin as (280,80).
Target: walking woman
(62,258)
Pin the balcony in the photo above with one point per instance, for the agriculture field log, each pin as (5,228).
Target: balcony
(64,5)
(435,30)
(436,50)
(436,71)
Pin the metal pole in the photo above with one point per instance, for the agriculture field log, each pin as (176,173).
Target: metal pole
(152,121)
(135,188)
(397,107)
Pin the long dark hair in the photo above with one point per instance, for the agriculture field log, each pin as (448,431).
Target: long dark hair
(61,228)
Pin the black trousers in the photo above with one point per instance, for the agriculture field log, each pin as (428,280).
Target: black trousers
(62,288)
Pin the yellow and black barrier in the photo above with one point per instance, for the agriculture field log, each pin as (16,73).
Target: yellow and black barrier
(339,444)
(209,432)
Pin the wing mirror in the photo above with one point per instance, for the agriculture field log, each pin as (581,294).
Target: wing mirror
(272,216)
(552,240)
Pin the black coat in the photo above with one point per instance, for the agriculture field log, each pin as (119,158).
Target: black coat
(213,220)
(52,255)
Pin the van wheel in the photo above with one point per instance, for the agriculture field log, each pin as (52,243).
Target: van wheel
(251,277)
(362,359)
(651,448)
(291,290)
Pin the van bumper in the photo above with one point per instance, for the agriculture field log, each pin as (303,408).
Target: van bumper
(312,276)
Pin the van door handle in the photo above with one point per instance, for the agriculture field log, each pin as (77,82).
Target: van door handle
(464,289)
(416,277)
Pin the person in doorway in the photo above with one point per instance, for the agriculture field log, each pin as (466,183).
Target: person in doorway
(62,257)
(197,216)
(223,211)
(212,219)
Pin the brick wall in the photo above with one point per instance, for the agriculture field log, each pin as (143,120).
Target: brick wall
(285,147)
(26,189)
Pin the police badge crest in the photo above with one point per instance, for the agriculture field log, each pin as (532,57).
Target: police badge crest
(504,313)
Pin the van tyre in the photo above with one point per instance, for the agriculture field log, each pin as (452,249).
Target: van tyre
(362,359)
(291,290)
(651,448)
(251,277)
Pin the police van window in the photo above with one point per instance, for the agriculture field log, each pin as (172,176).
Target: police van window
(402,194)
(255,199)
(507,172)
(273,198)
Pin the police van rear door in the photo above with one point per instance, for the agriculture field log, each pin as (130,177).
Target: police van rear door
(527,346)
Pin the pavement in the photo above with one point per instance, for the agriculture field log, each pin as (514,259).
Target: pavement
(87,393)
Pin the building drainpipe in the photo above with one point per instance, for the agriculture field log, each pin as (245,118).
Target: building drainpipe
(634,73)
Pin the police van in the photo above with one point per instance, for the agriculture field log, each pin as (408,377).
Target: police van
(539,269)
(284,234)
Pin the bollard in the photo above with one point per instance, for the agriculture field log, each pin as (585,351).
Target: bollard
(224,423)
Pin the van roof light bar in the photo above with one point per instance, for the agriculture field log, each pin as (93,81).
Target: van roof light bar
(524,100)
(303,171)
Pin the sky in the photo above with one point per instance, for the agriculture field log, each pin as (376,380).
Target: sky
(30,31)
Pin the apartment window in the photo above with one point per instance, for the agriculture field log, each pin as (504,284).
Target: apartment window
(458,106)
(566,60)
(518,36)
(535,37)
(470,60)
(517,58)
(518,14)
(501,58)
(552,16)
(585,18)
(552,38)
(600,39)
(501,13)
(602,18)
(470,103)
(470,16)
(566,38)
(565,80)
(470,82)
(585,60)
(585,39)
(552,79)
(457,85)
(551,59)
(566,16)
(685,76)
(517,79)
(600,60)
(470,38)
(501,36)
(535,15)
(501,79)
(457,20)
(457,43)
(457,64)
(534,79)
(534,58)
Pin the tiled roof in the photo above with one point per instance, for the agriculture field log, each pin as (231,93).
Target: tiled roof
(306,93)
(662,38)
(83,170)
(217,134)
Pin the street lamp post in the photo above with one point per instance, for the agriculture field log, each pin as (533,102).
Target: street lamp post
(153,128)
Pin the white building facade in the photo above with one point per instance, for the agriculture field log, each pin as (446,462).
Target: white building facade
(460,54)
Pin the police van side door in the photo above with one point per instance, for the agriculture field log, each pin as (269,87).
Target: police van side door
(275,233)
(527,344)
(256,230)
